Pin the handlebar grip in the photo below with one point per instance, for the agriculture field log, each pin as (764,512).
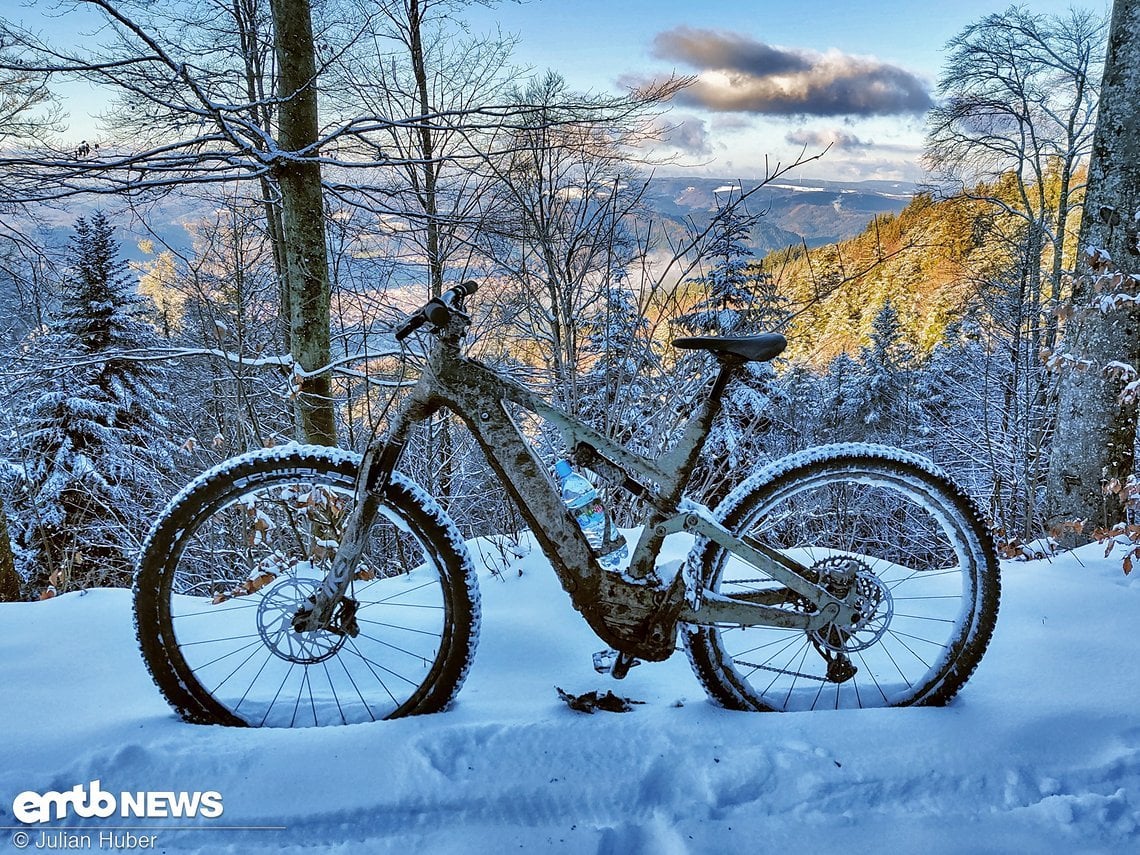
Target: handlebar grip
(464,289)
(437,310)
(411,325)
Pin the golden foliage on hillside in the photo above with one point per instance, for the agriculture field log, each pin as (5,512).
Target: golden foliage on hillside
(933,261)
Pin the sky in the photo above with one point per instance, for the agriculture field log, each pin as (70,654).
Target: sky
(862,72)
(772,80)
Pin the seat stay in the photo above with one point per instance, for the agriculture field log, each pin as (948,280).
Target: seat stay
(711,607)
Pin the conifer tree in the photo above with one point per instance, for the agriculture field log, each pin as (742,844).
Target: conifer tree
(621,389)
(740,299)
(839,413)
(887,407)
(94,438)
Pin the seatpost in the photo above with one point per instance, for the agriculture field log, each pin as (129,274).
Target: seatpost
(683,456)
(729,365)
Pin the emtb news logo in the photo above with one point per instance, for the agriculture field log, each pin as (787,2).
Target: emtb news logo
(91,800)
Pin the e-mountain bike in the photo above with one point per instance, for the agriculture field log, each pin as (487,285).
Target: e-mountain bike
(304,585)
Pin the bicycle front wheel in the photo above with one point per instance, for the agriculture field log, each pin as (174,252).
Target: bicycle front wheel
(880,519)
(240,550)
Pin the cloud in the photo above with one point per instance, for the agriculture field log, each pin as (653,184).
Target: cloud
(738,74)
(707,49)
(687,133)
(732,123)
(833,137)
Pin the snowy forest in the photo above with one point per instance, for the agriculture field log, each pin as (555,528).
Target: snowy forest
(990,325)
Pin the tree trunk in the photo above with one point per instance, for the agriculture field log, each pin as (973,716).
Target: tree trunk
(439,430)
(427,148)
(9,578)
(298,175)
(1094,442)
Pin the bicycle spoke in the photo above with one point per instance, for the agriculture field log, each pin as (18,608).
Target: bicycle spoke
(869,532)
(247,566)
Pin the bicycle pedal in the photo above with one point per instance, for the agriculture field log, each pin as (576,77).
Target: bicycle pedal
(604,661)
(615,664)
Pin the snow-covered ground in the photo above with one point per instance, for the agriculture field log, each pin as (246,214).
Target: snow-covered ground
(1039,753)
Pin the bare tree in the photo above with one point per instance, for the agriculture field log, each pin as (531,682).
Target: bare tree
(195,108)
(1013,128)
(1093,449)
(190,111)
(417,61)
(1019,94)
(570,186)
(27,112)
(297,171)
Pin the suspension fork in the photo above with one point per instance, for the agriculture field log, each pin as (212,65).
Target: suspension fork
(328,608)
(321,611)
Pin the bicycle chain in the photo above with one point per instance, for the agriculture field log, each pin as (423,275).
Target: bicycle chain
(767,580)
(782,671)
(769,667)
(759,667)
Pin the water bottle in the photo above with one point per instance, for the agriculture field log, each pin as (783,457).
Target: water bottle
(590,512)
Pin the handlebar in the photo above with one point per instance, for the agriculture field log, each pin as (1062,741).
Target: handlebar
(437,310)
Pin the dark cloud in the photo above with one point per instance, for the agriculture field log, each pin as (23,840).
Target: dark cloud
(707,49)
(687,133)
(736,74)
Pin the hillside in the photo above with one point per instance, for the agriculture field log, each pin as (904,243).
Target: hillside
(929,260)
(792,211)
(868,242)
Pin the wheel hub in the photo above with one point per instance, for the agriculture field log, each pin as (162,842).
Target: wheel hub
(872,602)
(275,624)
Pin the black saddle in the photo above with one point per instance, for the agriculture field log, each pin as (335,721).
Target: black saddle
(750,348)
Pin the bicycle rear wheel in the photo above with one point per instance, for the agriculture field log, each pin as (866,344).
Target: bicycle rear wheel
(920,555)
(237,553)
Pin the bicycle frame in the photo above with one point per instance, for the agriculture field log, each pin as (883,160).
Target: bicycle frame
(635,612)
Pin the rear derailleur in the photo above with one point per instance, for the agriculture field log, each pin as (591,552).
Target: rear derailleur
(840,669)
(837,575)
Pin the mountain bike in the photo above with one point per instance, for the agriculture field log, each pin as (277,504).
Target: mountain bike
(303,585)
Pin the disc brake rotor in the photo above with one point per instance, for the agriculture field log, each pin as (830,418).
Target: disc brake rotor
(275,623)
(873,603)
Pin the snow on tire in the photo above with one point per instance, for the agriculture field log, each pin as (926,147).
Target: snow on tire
(925,565)
(238,551)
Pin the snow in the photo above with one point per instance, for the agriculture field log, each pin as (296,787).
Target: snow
(1039,753)
(799,189)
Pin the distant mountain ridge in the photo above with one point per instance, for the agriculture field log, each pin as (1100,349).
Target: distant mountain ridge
(793,210)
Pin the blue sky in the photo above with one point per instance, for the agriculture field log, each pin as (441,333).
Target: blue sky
(599,44)
(864,70)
